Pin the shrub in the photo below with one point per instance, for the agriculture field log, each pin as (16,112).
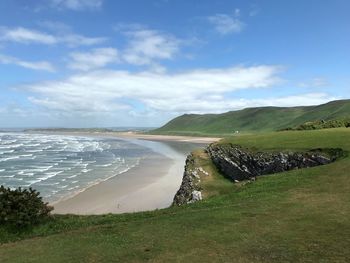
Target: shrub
(322,124)
(22,207)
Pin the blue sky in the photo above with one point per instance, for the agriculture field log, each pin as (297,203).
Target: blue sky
(89,63)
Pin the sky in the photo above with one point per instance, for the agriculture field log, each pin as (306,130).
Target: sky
(111,63)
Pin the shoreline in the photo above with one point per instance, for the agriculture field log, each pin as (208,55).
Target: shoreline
(150,185)
(64,198)
(135,135)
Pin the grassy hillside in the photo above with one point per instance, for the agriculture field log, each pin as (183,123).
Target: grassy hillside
(253,119)
(296,216)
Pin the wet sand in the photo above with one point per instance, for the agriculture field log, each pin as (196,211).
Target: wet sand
(150,185)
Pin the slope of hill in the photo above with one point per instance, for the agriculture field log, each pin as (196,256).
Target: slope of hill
(254,119)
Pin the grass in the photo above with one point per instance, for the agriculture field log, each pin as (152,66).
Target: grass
(296,216)
(261,119)
(213,183)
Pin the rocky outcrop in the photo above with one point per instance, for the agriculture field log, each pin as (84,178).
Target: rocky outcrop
(190,190)
(239,164)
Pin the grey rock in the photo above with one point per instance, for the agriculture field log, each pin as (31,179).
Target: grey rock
(189,191)
(240,164)
(196,195)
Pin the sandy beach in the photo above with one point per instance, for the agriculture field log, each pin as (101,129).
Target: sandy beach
(140,136)
(167,137)
(150,185)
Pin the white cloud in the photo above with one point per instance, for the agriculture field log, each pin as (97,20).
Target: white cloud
(106,91)
(227,24)
(73,40)
(38,65)
(146,46)
(96,58)
(27,36)
(203,105)
(55,26)
(24,35)
(314,83)
(305,99)
(77,5)
(110,97)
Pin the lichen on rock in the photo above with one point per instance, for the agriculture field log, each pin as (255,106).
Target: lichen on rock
(190,189)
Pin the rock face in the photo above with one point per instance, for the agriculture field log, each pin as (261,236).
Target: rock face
(239,164)
(190,190)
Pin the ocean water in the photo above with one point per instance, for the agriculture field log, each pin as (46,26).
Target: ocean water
(59,165)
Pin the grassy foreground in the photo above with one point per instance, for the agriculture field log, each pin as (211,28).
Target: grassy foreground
(296,216)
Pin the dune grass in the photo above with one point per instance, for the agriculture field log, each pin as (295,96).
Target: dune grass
(296,216)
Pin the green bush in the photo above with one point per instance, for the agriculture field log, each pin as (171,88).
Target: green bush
(321,124)
(22,207)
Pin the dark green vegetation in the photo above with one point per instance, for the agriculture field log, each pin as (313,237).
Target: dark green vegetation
(22,207)
(321,124)
(296,216)
(260,119)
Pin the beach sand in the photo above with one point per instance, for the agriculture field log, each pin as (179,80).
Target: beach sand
(167,137)
(150,185)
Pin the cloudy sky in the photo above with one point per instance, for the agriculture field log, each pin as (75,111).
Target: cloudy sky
(106,63)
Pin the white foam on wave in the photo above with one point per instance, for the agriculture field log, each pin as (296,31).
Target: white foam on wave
(11,146)
(32,145)
(4,152)
(104,165)
(72,188)
(7,176)
(25,173)
(26,155)
(33,182)
(39,169)
(17,179)
(5,146)
(73,147)
(9,158)
(70,156)
(34,151)
(8,141)
(83,165)
(50,175)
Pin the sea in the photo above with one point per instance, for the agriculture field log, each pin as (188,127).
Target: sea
(59,166)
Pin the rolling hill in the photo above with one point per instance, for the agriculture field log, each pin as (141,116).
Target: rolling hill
(258,119)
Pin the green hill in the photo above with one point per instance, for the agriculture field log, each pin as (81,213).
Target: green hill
(254,119)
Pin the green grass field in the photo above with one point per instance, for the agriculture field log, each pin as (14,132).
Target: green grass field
(260,119)
(296,216)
